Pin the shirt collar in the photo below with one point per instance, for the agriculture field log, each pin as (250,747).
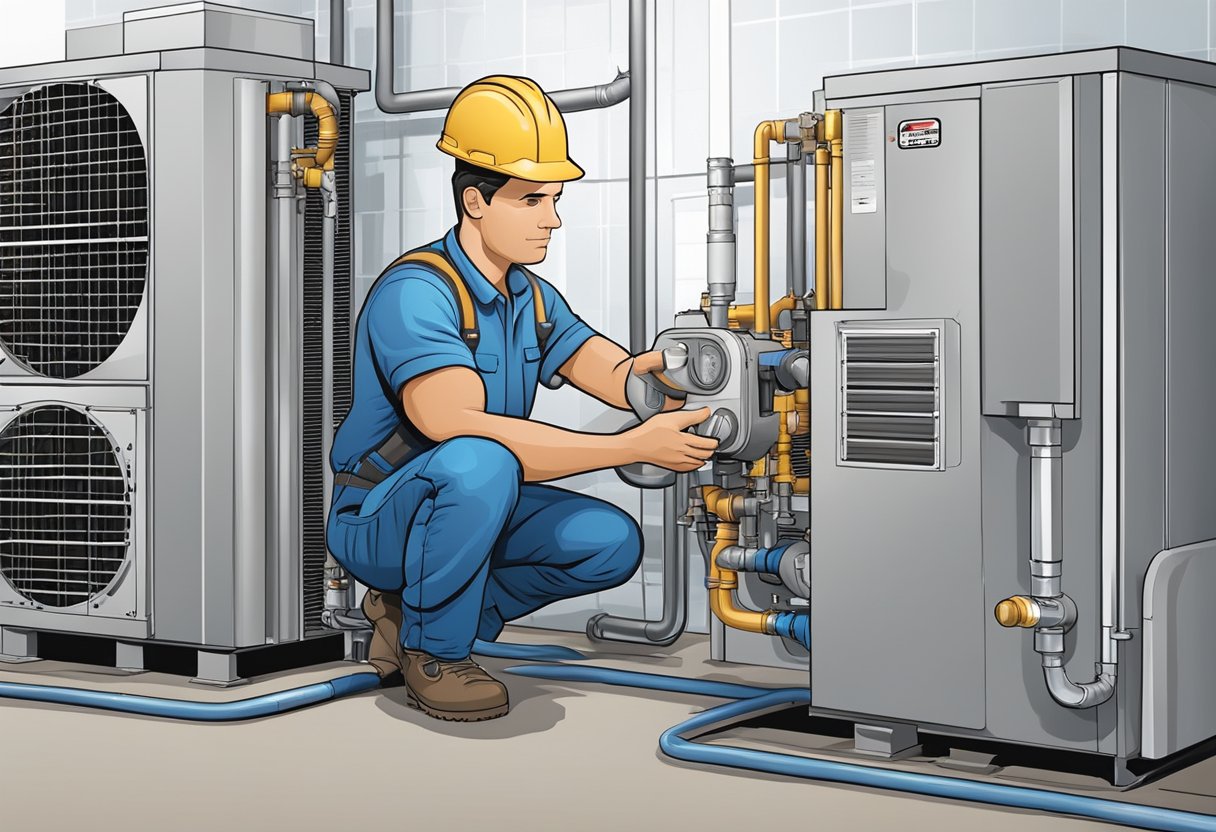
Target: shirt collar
(478,284)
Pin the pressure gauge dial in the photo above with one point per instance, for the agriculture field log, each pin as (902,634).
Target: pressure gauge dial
(709,366)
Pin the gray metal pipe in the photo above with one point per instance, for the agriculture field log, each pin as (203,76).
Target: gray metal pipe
(337,31)
(671,625)
(420,101)
(637,177)
(720,248)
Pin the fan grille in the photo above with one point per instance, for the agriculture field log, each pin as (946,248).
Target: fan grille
(65,510)
(73,227)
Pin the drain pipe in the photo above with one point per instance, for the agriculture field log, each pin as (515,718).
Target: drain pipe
(420,101)
(1047,609)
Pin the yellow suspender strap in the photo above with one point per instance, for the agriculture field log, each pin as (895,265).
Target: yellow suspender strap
(464,300)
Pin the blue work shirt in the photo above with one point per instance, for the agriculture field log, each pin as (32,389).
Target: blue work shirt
(410,325)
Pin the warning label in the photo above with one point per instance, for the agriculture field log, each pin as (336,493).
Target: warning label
(921,132)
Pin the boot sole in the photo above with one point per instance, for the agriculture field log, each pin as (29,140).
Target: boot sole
(456,716)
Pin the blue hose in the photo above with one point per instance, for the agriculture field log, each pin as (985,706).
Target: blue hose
(755,700)
(257,706)
(527,652)
(634,679)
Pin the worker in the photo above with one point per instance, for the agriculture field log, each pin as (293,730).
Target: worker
(438,506)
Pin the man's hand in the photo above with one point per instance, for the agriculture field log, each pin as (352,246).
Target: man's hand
(662,440)
(648,362)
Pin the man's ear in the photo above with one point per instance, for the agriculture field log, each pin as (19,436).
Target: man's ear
(474,206)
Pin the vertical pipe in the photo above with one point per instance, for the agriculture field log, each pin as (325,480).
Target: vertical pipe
(720,240)
(249,370)
(637,175)
(337,31)
(766,131)
(834,131)
(328,232)
(822,212)
(795,202)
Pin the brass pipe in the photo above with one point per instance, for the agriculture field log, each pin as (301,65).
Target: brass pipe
(784,405)
(743,315)
(802,406)
(766,132)
(309,163)
(822,211)
(833,131)
(802,485)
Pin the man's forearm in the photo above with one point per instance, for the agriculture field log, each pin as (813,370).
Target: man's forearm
(544,451)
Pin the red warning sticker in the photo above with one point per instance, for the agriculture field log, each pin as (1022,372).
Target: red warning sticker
(920,132)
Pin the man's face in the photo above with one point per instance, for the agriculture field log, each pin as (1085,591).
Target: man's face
(519,221)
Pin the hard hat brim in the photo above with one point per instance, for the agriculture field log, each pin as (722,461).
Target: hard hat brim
(562,170)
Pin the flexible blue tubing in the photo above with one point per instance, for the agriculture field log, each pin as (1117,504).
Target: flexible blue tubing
(528,652)
(256,706)
(756,700)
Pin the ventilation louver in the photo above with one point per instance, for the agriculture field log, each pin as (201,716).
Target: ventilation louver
(891,397)
(73,227)
(65,507)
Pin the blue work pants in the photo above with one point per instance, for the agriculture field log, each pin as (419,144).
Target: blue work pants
(470,546)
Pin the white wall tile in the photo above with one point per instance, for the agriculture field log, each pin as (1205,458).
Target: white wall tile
(1089,23)
(1000,24)
(1176,26)
(945,26)
(882,32)
(745,10)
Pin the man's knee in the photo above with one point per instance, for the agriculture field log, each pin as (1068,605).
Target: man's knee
(613,544)
(475,467)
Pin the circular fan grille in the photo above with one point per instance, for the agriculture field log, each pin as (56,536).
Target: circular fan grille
(73,227)
(65,512)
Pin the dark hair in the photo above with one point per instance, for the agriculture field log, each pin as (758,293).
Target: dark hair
(484,180)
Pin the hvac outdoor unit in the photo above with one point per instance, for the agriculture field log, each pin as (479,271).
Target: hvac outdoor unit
(1013,410)
(162,416)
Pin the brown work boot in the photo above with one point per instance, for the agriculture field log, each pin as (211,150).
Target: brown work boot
(384,653)
(454,690)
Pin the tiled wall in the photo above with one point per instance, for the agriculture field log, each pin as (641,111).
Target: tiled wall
(780,50)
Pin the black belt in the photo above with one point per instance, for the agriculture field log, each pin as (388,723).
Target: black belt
(396,450)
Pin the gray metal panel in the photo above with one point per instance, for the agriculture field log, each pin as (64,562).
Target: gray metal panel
(1020,69)
(84,624)
(1141,254)
(223,27)
(1179,629)
(249,183)
(1027,261)
(1191,297)
(93,41)
(343,77)
(193,400)
(91,68)
(865,260)
(906,98)
(896,584)
(226,60)
(966,74)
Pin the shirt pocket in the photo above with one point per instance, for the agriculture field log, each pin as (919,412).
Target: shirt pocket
(487,362)
(531,353)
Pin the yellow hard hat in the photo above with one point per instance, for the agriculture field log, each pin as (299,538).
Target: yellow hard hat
(509,125)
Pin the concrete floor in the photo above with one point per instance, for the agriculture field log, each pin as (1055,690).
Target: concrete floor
(568,757)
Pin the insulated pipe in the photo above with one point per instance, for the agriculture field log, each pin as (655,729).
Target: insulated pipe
(670,625)
(720,240)
(310,163)
(795,203)
(766,132)
(834,132)
(419,101)
(822,215)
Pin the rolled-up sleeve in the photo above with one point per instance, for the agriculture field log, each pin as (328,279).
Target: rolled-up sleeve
(414,328)
(569,333)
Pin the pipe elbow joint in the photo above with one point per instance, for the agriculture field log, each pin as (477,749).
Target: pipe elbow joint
(1072,694)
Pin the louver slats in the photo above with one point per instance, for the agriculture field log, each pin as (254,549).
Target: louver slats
(891,398)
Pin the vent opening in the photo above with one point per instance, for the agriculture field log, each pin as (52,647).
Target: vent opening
(65,507)
(73,227)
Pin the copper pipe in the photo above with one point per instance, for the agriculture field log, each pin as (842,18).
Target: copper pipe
(784,405)
(766,131)
(822,212)
(833,131)
(309,163)
(722,583)
(802,485)
(743,315)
